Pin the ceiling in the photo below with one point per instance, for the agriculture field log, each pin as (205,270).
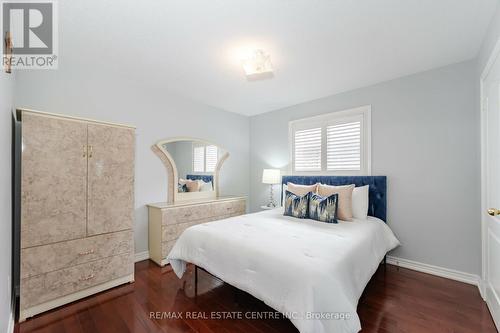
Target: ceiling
(317,47)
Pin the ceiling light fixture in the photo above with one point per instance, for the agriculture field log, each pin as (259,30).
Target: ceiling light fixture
(258,65)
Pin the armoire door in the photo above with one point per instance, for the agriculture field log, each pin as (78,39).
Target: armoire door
(53,179)
(110,178)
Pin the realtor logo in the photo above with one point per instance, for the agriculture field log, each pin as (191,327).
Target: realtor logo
(31,27)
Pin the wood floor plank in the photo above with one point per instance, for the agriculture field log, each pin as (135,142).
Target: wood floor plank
(396,300)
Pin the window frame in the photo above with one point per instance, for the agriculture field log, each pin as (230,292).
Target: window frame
(362,113)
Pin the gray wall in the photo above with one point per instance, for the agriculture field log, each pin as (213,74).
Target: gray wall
(425,138)
(6,95)
(105,95)
(489,41)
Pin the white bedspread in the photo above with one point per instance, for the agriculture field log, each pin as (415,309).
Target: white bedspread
(302,268)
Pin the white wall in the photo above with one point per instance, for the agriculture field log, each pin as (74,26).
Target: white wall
(103,95)
(6,95)
(425,138)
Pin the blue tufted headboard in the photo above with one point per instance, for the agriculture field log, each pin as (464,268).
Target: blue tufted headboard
(205,178)
(377,204)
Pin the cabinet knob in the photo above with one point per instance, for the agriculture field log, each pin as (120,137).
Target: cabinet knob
(493,211)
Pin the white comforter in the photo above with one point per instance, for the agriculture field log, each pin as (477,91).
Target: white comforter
(312,272)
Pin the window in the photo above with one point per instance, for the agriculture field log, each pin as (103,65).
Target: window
(307,149)
(205,158)
(211,158)
(199,158)
(334,143)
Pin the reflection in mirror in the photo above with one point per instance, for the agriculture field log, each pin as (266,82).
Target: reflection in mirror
(196,162)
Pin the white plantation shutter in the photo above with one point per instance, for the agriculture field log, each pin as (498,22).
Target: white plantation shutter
(336,143)
(343,144)
(211,158)
(199,159)
(307,149)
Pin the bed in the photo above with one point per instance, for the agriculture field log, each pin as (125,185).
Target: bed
(312,272)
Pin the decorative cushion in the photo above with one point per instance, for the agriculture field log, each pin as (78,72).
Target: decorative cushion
(323,209)
(193,185)
(344,210)
(301,189)
(360,196)
(297,205)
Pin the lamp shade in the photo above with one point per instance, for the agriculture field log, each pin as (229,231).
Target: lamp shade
(271,176)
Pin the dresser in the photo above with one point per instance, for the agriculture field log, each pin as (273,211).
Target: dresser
(77,209)
(168,220)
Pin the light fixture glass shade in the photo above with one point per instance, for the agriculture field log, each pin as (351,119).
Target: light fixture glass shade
(258,63)
(271,176)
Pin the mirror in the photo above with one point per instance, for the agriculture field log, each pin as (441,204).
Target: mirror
(195,165)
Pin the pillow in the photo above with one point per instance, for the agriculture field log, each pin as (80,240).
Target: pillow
(283,195)
(192,185)
(206,186)
(344,210)
(360,202)
(323,209)
(301,189)
(297,205)
(182,187)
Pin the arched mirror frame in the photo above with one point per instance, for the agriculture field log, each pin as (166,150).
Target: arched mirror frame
(173,177)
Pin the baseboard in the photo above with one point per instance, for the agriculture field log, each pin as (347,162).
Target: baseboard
(482,289)
(436,270)
(493,303)
(140,256)
(10,327)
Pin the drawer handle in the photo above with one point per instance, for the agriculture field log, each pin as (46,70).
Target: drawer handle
(188,214)
(85,253)
(88,277)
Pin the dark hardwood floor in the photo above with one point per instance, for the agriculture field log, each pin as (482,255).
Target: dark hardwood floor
(395,300)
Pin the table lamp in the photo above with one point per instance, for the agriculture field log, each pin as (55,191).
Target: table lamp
(271,177)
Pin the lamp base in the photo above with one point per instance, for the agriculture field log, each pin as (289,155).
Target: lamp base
(271,203)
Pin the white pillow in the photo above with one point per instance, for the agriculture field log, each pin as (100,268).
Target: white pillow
(360,202)
(205,186)
(283,194)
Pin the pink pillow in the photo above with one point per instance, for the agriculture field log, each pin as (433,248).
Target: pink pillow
(344,210)
(301,190)
(193,185)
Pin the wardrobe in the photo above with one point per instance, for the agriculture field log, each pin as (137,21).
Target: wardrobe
(77,209)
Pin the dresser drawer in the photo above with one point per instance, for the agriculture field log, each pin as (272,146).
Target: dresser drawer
(47,258)
(230,208)
(188,213)
(173,231)
(49,286)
